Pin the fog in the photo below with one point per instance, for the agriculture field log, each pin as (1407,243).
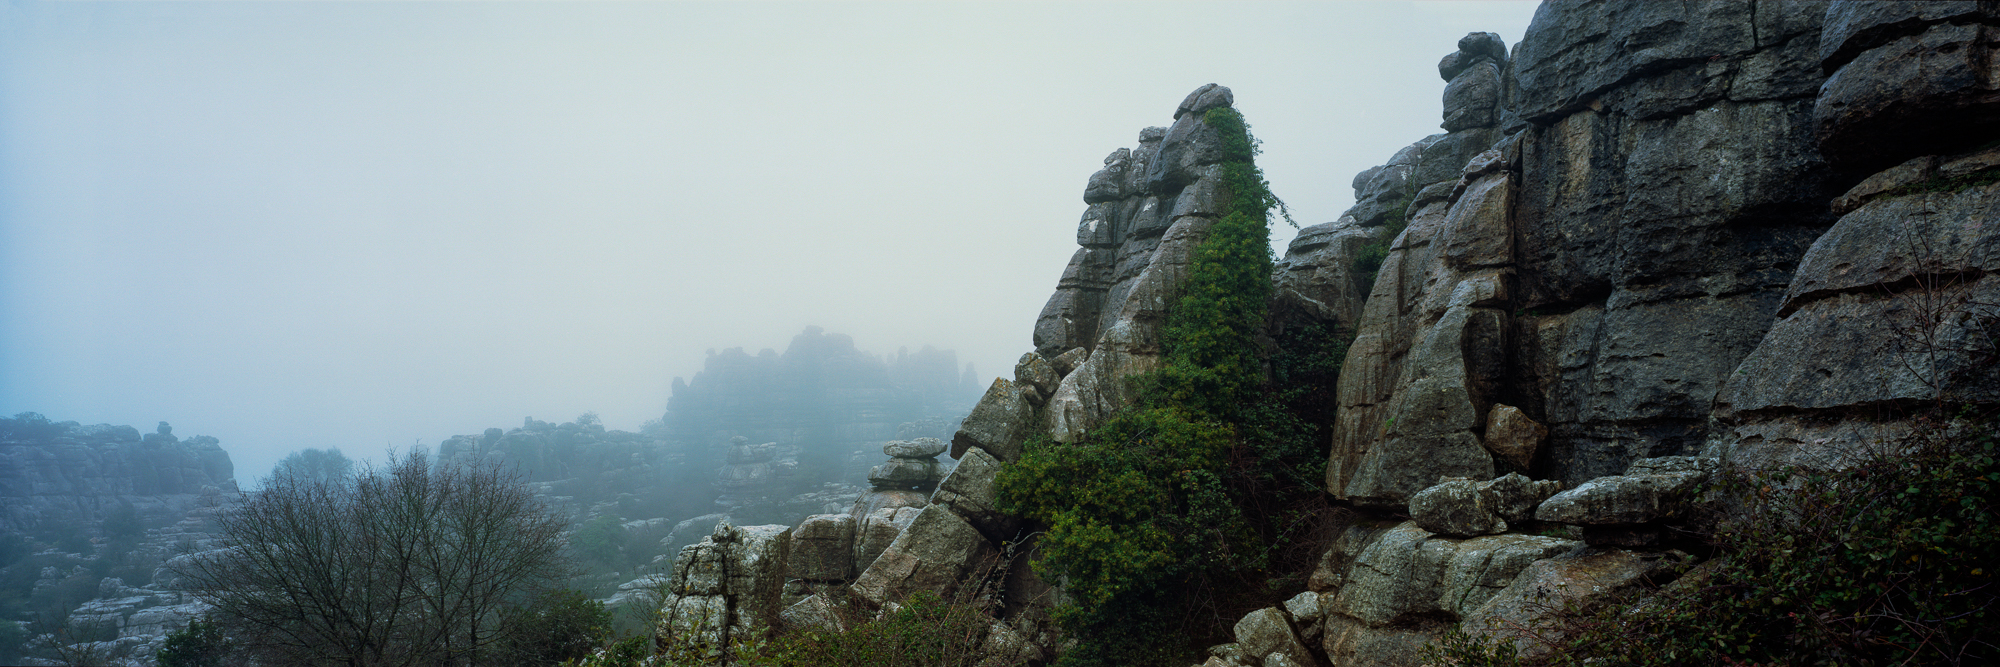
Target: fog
(368,225)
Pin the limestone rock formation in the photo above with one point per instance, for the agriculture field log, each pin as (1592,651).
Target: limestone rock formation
(725,588)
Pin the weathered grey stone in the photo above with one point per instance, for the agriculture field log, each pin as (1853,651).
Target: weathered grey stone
(1846,351)
(1035,371)
(1069,319)
(913,474)
(1100,227)
(1402,575)
(1585,579)
(1577,51)
(725,587)
(1004,645)
(1486,44)
(1514,497)
(1068,361)
(1316,276)
(1107,184)
(1952,166)
(875,531)
(1478,230)
(1652,490)
(920,448)
(742,452)
(1851,28)
(999,423)
(815,611)
(1381,190)
(1350,642)
(1464,507)
(1209,96)
(1265,632)
(890,499)
(1472,98)
(969,492)
(1190,143)
(1444,159)
(823,548)
(1427,431)
(1512,436)
(1455,507)
(934,553)
(1912,172)
(1892,240)
(1920,94)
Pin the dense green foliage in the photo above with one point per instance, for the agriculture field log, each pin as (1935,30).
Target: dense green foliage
(1888,562)
(200,644)
(1167,495)
(600,543)
(552,627)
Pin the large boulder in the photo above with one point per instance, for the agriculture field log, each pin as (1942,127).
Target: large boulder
(1267,632)
(935,553)
(1000,423)
(823,548)
(969,492)
(1651,490)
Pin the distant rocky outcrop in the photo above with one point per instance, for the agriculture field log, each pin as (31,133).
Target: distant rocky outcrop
(105,500)
(67,474)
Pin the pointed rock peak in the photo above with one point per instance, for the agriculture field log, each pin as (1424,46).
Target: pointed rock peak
(1204,98)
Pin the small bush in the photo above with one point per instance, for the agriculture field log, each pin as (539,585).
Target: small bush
(200,644)
(555,626)
(925,631)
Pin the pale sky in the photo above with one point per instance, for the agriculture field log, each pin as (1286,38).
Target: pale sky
(373,224)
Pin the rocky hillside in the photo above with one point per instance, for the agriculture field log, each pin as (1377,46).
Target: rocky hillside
(1655,239)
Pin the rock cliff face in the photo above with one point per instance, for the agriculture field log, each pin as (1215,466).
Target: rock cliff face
(67,474)
(1652,238)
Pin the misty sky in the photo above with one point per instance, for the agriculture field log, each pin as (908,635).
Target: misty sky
(375,224)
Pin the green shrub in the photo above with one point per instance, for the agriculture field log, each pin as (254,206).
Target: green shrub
(553,627)
(924,631)
(1890,561)
(201,644)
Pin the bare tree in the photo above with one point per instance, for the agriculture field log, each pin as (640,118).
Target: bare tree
(406,565)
